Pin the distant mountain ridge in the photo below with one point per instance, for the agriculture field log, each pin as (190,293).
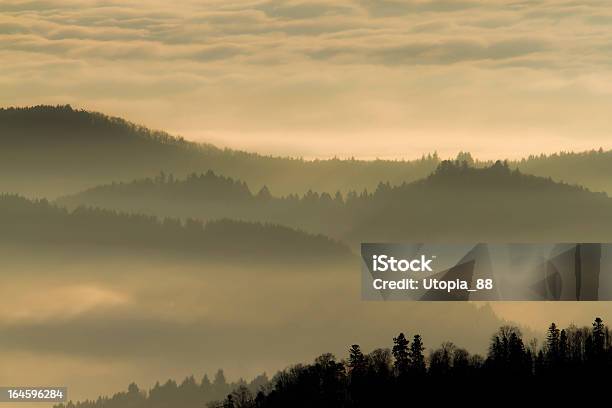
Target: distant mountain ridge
(204,186)
(47,151)
(53,150)
(456,202)
(63,124)
(593,169)
(38,222)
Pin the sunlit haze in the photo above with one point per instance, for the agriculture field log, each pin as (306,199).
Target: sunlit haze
(369,79)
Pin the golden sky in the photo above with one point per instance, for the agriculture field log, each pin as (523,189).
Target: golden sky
(364,78)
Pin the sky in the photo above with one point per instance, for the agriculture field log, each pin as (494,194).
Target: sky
(362,78)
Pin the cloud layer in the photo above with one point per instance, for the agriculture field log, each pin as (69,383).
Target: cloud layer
(319,78)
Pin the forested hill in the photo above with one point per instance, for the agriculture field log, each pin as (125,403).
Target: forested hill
(55,150)
(496,203)
(37,222)
(592,169)
(50,151)
(189,393)
(455,202)
(385,376)
(200,189)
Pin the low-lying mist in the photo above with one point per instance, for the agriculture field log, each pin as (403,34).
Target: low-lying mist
(96,319)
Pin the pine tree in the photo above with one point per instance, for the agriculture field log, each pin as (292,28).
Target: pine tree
(518,361)
(599,336)
(552,343)
(496,358)
(401,354)
(417,358)
(356,361)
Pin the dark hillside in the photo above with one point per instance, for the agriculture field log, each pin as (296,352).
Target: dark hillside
(50,151)
(451,203)
(31,223)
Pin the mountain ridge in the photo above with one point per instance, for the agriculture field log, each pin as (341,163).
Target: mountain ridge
(65,167)
(39,222)
(445,200)
(48,151)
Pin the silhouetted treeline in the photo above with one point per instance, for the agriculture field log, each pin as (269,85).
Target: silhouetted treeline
(37,222)
(591,169)
(53,150)
(190,393)
(455,202)
(388,377)
(208,195)
(459,202)
(400,373)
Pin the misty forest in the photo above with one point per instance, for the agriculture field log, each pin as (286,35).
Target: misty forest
(383,376)
(142,256)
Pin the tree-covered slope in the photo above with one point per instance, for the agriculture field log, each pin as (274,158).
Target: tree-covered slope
(456,202)
(459,203)
(54,150)
(591,169)
(382,376)
(49,151)
(37,222)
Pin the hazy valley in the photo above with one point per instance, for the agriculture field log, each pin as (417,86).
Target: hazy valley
(141,256)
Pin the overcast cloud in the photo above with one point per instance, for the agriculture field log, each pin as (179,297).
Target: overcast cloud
(387,78)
